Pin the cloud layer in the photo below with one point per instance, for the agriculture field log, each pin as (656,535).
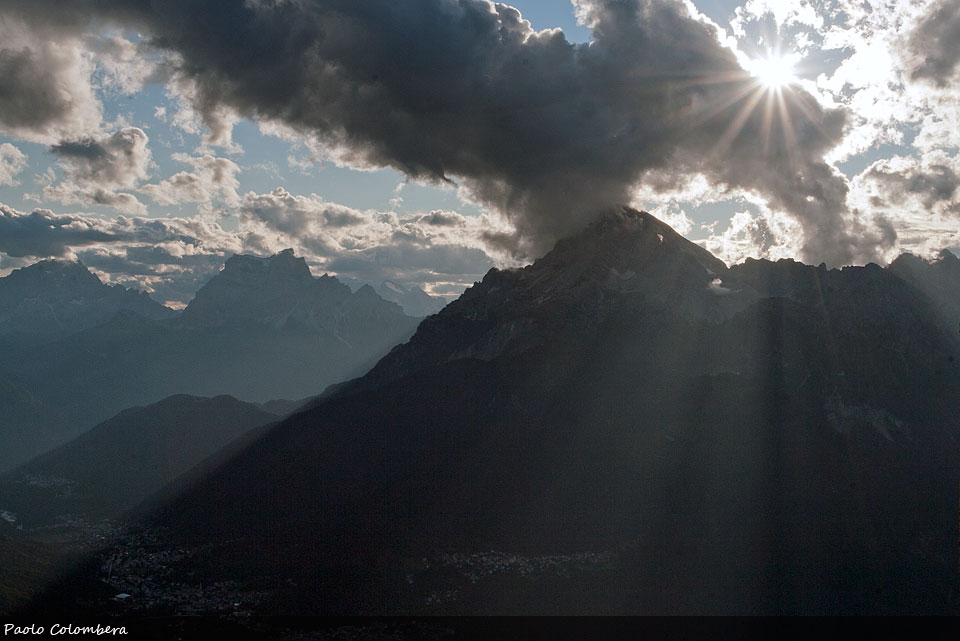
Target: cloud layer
(171,257)
(211,178)
(658,109)
(97,166)
(117,160)
(545,131)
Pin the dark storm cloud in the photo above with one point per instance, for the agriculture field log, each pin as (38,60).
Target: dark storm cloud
(934,44)
(401,259)
(546,131)
(45,91)
(29,96)
(116,160)
(87,149)
(43,233)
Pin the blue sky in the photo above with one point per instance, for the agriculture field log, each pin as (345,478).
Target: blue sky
(135,137)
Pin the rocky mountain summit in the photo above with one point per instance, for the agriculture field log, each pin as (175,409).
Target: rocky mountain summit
(54,298)
(628,268)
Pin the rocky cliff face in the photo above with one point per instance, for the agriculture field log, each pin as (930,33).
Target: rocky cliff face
(629,268)
(267,291)
(279,292)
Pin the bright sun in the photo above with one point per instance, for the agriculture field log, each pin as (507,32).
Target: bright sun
(774,71)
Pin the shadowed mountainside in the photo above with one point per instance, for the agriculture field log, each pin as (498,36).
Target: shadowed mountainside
(768,438)
(120,462)
(939,279)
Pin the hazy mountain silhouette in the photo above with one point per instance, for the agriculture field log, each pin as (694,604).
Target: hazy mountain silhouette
(55,298)
(261,329)
(939,279)
(415,301)
(669,435)
(120,462)
(28,425)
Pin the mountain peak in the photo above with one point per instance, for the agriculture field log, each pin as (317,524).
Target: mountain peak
(625,239)
(275,291)
(366,291)
(623,264)
(54,297)
(413,300)
(53,270)
(625,378)
(948,257)
(252,288)
(283,265)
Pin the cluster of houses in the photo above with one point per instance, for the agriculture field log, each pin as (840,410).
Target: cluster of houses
(139,566)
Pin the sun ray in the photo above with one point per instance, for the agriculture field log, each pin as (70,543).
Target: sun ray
(764,91)
(808,113)
(736,125)
(734,98)
(786,125)
(766,125)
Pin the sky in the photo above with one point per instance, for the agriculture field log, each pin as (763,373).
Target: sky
(427,141)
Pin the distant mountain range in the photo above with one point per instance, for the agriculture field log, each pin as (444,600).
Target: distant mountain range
(625,426)
(414,300)
(52,298)
(28,424)
(263,328)
(117,464)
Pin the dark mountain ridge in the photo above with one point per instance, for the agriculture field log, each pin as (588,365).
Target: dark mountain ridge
(768,438)
(123,460)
